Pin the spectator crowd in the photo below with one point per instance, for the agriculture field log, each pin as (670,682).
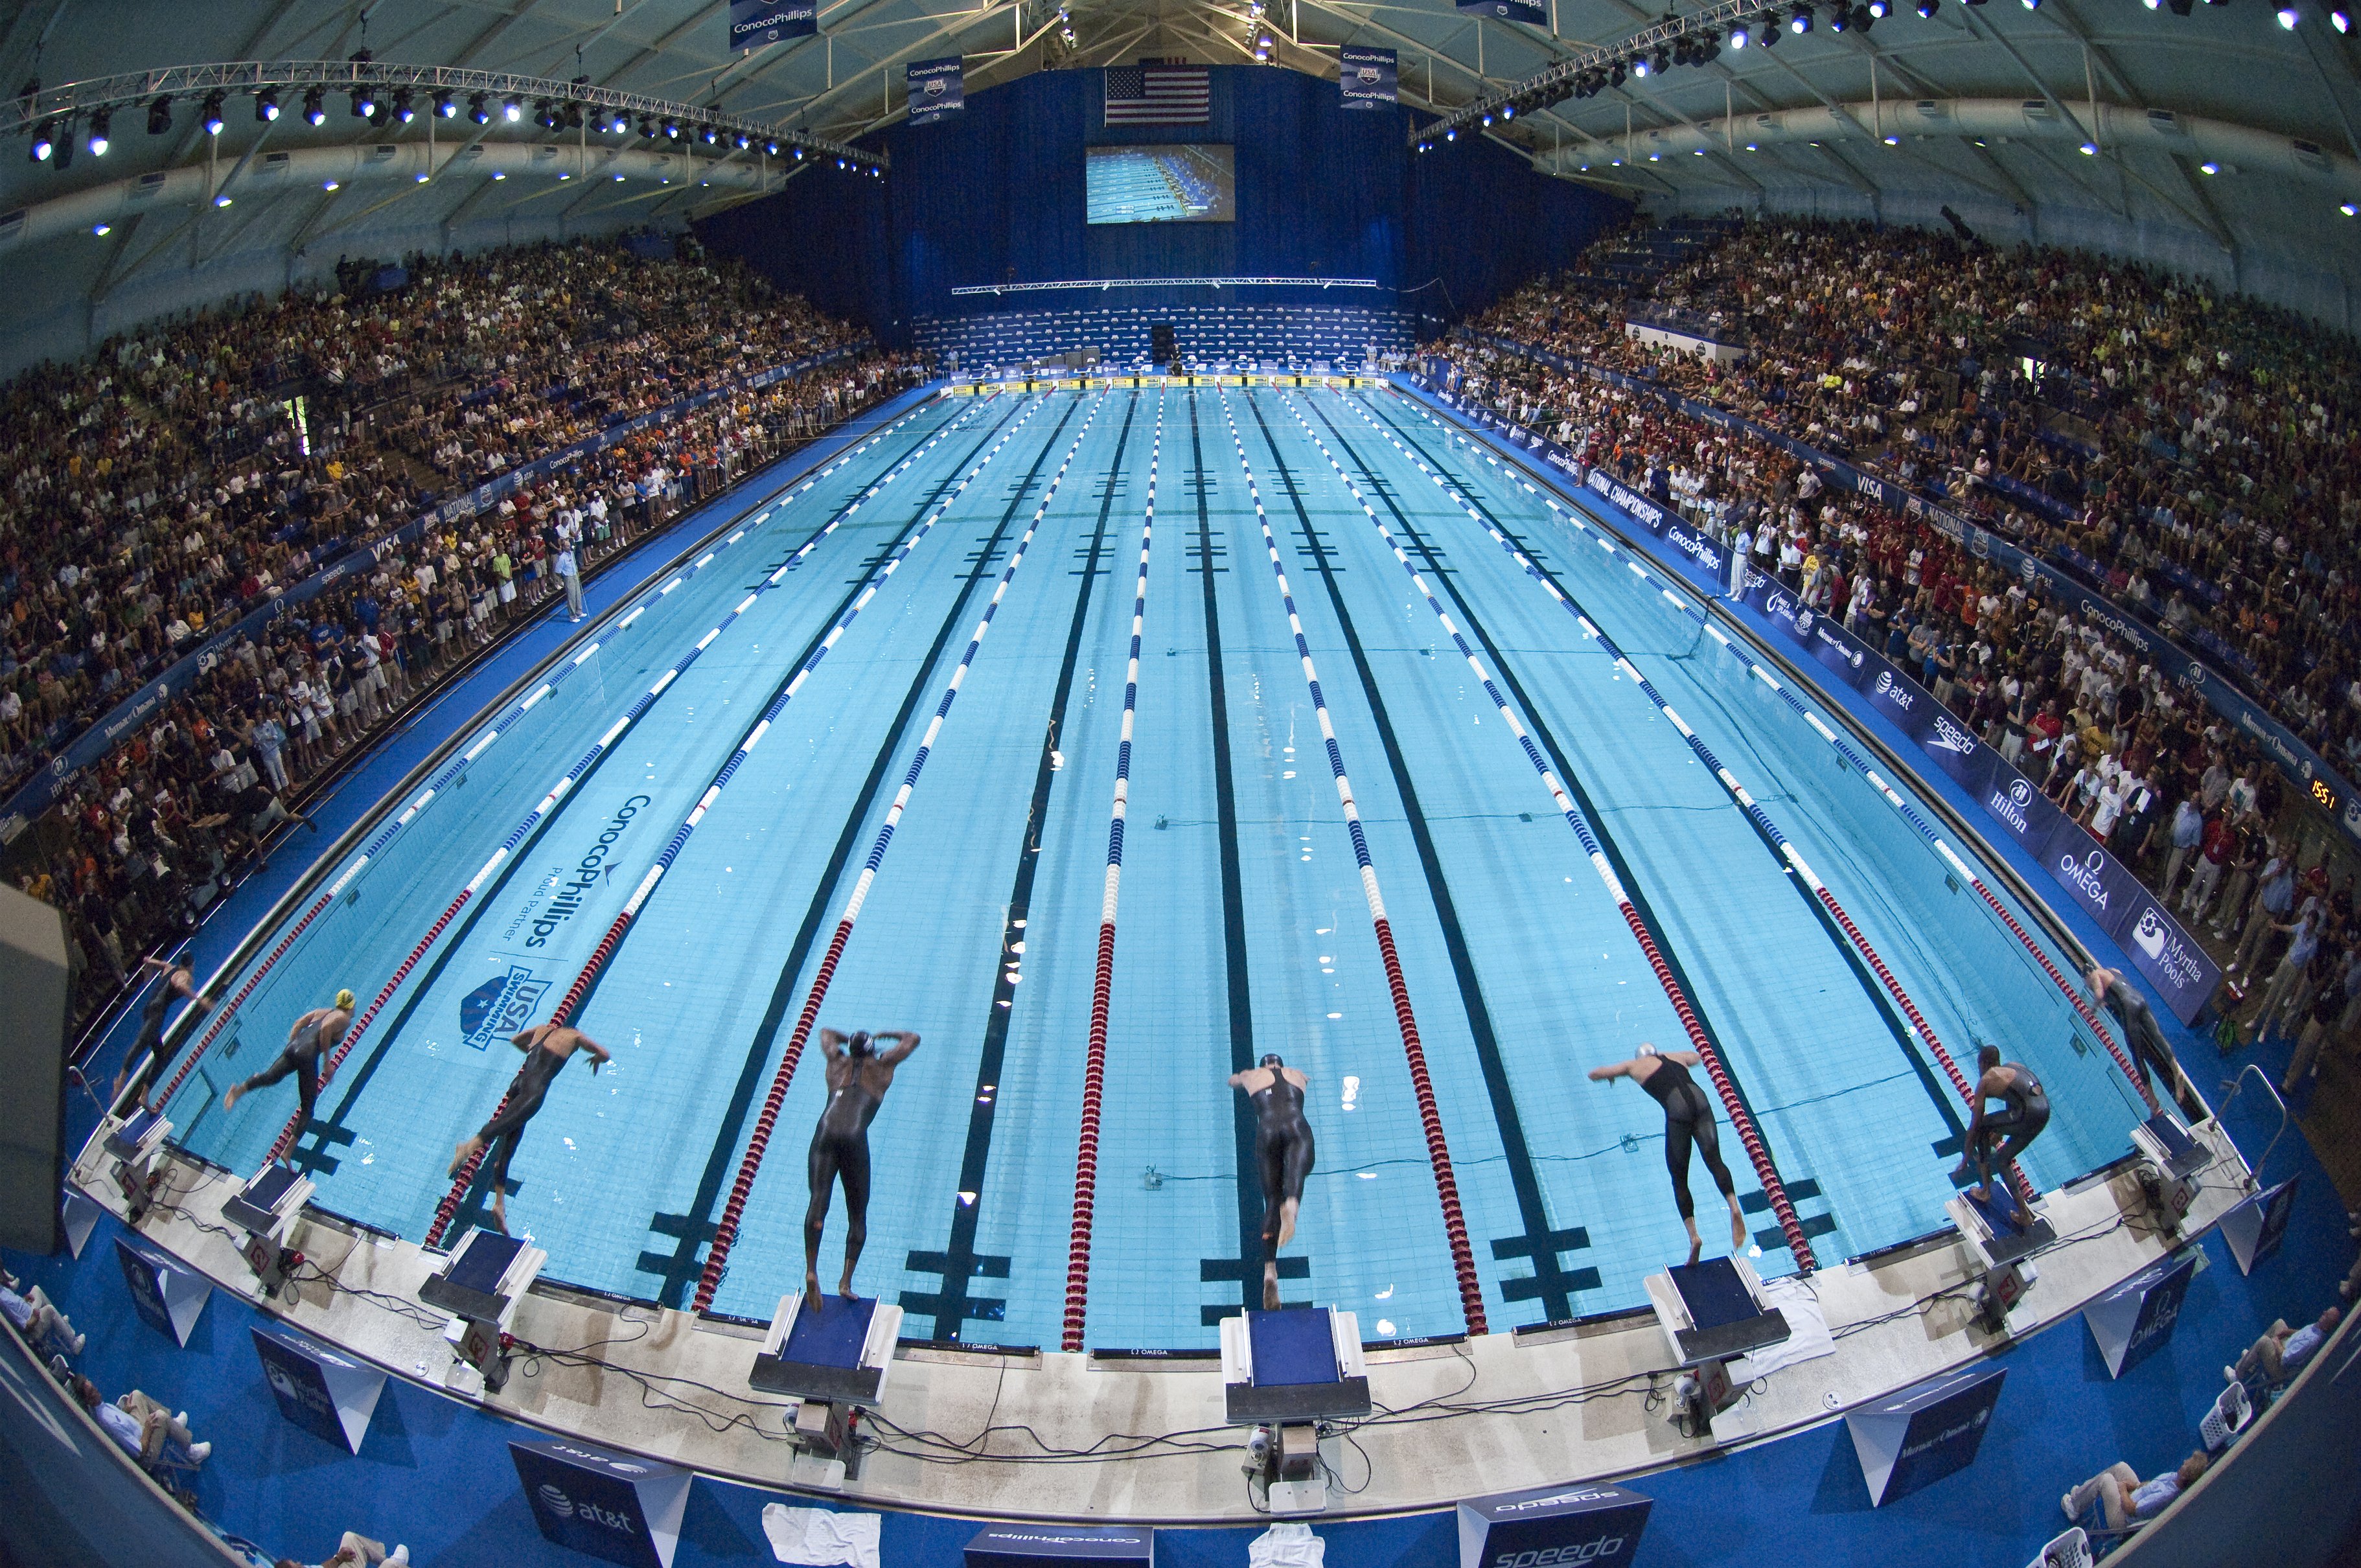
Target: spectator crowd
(198,469)
(2197,459)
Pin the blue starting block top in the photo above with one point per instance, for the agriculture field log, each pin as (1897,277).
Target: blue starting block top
(1713,1293)
(123,1142)
(2182,1152)
(483,1260)
(1292,1347)
(2000,1209)
(832,1336)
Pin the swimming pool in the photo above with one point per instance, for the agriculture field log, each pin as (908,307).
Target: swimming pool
(898,690)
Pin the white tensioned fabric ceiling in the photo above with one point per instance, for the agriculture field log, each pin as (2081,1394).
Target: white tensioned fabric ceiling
(2220,141)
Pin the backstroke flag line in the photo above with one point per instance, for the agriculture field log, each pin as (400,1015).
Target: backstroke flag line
(1365,77)
(754,23)
(937,88)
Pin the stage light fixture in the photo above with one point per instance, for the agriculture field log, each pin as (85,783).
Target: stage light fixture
(2348,209)
(445,107)
(1615,76)
(1738,34)
(221,201)
(647,129)
(709,134)
(1662,63)
(45,142)
(512,108)
(213,115)
(800,155)
(1507,111)
(403,109)
(1840,19)
(99,121)
(2340,19)
(2089,150)
(1801,22)
(542,115)
(573,116)
(499,173)
(266,104)
(62,158)
(315,113)
(2033,4)
(2209,167)
(769,149)
(1928,7)
(479,109)
(103,230)
(1451,135)
(363,103)
(1768,28)
(330,186)
(159,116)
(2290,17)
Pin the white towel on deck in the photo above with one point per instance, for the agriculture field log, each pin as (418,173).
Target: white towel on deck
(1286,1546)
(819,1538)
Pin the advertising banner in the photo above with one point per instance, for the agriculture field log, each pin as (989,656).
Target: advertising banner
(754,23)
(2138,1315)
(166,1297)
(605,1505)
(1910,1440)
(325,1394)
(1532,13)
(1365,77)
(1642,511)
(1077,1546)
(937,88)
(2255,1227)
(2183,973)
(1590,1523)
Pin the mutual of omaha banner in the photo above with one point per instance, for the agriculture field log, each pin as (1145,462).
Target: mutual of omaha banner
(937,88)
(1535,12)
(1365,78)
(754,23)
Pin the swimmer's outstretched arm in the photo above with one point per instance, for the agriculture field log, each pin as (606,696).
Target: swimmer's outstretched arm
(904,1042)
(831,1043)
(599,1054)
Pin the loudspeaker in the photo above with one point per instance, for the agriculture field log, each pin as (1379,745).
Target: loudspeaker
(32,1071)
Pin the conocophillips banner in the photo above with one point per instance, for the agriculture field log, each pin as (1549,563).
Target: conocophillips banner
(1365,77)
(44,787)
(2303,766)
(754,23)
(937,88)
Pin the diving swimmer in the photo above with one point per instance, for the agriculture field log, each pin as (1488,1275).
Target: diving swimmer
(2015,1127)
(545,1048)
(1282,1153)
(177,980)
(310,1036)
(857,1077)
(1688,1121)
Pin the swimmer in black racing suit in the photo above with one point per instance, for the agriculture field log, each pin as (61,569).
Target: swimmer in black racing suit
(2015,1127)
(545,1048)
(149,1053)
(1688,1121)
(857,1077)
(1282,1153)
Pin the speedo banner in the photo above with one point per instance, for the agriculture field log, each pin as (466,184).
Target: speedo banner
(937,88)
(754,23)
(1365,77)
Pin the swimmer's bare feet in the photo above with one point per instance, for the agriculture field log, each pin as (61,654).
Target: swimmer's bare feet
(1271,1287)
(1695,1247)
(1286,1222)
(1736,1230)
(231,1095)
(1981,1194)
(500,1210)
(812,1296)
(844,1287)
(468,1149)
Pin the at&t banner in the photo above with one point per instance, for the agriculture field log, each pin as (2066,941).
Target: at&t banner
(1365,78)
(937,88)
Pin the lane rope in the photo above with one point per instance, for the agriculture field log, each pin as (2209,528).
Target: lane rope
(492,733)
(1438,1152)
(1086,1155)
(725,1235)
(1757,1149)
(613,938)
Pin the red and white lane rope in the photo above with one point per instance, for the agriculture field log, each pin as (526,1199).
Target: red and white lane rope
(1737,793)
(1438,1153)
(492,733)
(1086,1155)
(1748,1134)
(725,1235)
(1861,766)
(613,938)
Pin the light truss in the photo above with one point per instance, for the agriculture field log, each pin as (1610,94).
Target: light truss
(1542,84)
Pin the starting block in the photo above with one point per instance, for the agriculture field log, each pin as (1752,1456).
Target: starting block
(266,1210)
(2000,1232)
(2170,1159)
(134,1143)
(833,1359)
(480,1288)
(1711,1312)
(1285,1371)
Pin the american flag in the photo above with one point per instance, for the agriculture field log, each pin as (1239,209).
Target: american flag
(1158,96)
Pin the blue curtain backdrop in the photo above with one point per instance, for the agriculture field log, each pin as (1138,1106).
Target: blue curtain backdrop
(997,196)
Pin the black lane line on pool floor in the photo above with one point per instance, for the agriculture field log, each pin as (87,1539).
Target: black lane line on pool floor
(1821,1224)
(690,1230)
(1945,1103)
(1245,1270)
(1551,1284)
(958,1262)
(316,1161)
(1818,1224)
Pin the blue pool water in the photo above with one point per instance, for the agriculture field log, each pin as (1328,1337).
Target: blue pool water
(1245,922)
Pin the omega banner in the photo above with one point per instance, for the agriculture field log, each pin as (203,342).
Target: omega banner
(607,1505)
(1554,1526)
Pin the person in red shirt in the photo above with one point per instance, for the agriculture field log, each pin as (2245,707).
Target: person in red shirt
(2215,850)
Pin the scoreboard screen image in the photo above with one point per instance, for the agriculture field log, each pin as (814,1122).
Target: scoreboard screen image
(1192,184)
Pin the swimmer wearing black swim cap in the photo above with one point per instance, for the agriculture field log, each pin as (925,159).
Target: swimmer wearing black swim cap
(859,1074)
(1283,1153)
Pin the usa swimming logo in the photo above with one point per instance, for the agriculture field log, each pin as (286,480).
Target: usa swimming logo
(498,1008)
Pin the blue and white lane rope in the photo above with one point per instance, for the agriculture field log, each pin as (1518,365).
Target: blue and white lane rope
(1438,1153)
(726,1233)
(1755,810)
(746,744)
(492,733)
(1757,1150)
(1086,1155)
